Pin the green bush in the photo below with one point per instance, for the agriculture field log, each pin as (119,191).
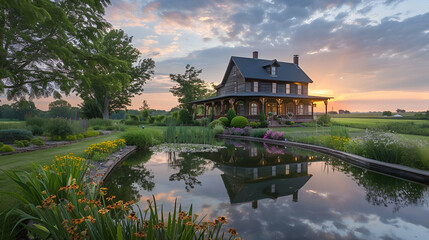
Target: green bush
(91,133)
(230,115)
(185,117)
(18,144)
(143,138)
(10,135)
(290,122)
(80,136)
(7,148)
(59,127)
(218,129)
(214,123)
(100,122)
(37,141)
(259,133)
(26,143)
(263,120)
(239,122)
(1,144)
(35,125)
(71,138)
(387,113)
(57,138)
(324,120)
(254,124)
(224,120)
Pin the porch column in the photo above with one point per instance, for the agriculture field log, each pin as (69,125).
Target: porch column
(231,102)
(312,110)
(262,100)
(326,106)
(205,110)
(296,102)
(222,107)
(279,103)
(213,109)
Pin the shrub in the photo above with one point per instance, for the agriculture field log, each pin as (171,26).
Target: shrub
(263,120)
(218,129)
(57,138)
(132,122)
(35,125)
(71,138)
(254,124)
(100,122)
(214,123)
(270,134)
(59,127)
(231,114)
(10,135)
(290,123)
(224,120)
(143,138)
(324,120)
(239,122)
(7,148)
(18,144)
(91,133)
(259,133)
(37,141)
(80,136)
(1,144)
(185,117)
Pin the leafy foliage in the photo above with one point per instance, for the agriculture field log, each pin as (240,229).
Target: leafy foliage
(10,135)
(189,87)
(59,127)
(143,138)
(60,108)
(230,115)
(239,122)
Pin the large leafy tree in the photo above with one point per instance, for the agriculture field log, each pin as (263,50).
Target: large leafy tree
(40,41)
(60,108)
(113,73)
(189,87)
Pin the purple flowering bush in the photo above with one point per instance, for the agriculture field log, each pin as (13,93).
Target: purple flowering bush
(238,131)
(270,134)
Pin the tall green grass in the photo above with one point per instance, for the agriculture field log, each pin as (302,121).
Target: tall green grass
(186,134)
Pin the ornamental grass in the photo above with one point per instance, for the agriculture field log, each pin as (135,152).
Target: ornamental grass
(59,204)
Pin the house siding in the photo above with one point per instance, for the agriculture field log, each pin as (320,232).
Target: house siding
(228,88)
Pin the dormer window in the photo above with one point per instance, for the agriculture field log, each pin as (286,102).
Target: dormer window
(287,88)
(273,70)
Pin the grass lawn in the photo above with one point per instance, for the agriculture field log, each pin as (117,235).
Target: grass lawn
(25,161)
(373,122)
(369,115)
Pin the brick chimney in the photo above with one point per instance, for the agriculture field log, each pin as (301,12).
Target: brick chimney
(295,59)
(255,54)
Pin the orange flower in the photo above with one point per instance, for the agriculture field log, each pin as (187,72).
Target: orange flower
(103,211)
(140,234)
(232,231)
(70,207)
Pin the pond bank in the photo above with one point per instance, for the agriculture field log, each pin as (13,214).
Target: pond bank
(100,170)
(396,170)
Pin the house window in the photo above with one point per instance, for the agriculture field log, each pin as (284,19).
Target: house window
(309,109)
(300,109)
(274,88)
(273,71)
(255,86)
(253,109)
(299,89)
(235,87)
(287,88)
(253,152)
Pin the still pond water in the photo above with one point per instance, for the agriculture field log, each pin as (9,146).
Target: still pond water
(270,192)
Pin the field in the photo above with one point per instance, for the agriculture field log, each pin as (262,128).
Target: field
(373,122)
(370,115)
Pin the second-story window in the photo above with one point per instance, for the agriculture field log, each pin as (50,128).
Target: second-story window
(235,87)
(299,89)
(273,71)
(274,88)
(255,87)
(287,88)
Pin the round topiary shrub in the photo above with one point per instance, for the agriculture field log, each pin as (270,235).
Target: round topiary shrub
(7,148)
(214,123)
(224,120)
(239,122)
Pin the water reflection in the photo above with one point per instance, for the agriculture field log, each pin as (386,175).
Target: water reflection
(271,192)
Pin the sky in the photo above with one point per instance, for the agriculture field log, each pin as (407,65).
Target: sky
(368,55)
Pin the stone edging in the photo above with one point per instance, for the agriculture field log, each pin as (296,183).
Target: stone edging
(103,169)
(390,169)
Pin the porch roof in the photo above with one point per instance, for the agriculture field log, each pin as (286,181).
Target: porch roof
(262,94)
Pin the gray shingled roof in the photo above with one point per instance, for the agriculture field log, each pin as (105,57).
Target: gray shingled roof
(254,68)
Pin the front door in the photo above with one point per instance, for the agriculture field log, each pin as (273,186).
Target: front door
(272,108)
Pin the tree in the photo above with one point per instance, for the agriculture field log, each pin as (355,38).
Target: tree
(23,109)
(60,108)
(144,106)
(400,110)
(387,113)
(113,73)
(6,111)
(39,42)
(189,87)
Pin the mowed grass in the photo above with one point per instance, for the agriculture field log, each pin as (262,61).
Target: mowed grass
(370,115)
(25,161)
(7,124)
(373,122)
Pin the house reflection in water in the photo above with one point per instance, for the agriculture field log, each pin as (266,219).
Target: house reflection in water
(266,179)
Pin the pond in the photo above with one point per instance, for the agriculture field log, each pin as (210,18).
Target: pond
(273,192)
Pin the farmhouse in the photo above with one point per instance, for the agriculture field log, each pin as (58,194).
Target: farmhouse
(252,85)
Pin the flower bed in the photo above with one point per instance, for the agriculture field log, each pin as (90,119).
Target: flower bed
(100,151)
